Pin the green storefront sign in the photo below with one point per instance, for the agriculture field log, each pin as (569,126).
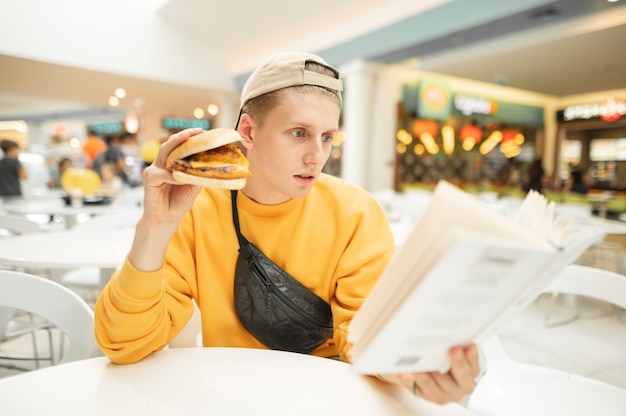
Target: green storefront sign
(433,99)
(178,123)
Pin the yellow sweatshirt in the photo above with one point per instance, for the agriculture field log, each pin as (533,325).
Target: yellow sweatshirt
(336,241)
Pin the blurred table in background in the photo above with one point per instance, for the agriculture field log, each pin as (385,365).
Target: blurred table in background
(53,204)
(105,249)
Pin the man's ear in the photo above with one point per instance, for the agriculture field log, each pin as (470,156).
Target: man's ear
(245,130)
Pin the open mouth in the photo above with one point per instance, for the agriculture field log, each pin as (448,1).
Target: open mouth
(305,179)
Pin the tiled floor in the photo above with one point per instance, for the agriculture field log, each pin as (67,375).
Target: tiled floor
(22,348)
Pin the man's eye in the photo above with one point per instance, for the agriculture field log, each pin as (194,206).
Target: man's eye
(328,138)
(298,133)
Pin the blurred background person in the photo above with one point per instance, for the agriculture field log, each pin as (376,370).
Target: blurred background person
(113,154)
(130,145)
(58,149)
(63,165)
(11,170)
(149,151)
(133,157)
(534,177)
(92,146)
(111,184)
(578,180)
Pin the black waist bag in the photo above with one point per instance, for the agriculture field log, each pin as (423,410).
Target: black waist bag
(275,308)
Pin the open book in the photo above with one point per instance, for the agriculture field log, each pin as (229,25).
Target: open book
(464,270)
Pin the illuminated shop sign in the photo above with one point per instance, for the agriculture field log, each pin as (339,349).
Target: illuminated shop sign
(468,105)
(434,99)
(106,127)
(177,123)
(611,109)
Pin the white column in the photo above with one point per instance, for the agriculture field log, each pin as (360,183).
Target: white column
(229,111)
(551,151)
(372,92)
(359,79)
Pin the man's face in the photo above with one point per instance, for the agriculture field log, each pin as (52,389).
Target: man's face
(289,148)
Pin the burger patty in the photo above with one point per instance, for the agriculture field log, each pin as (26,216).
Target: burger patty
(224,162)
(227,153)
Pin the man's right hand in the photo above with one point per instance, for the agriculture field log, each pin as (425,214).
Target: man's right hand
(165,203)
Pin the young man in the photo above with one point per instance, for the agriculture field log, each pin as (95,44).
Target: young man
(328,234)
(11,170)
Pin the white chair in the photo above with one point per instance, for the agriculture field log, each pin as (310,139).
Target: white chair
(514,388)
(11,225)
(10,328)
(15,324)
(585,280)
(191,335)
(55,303)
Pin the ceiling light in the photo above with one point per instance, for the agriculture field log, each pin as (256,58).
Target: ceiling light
(198,113)
(213,109)
(131,122)
(17,125)
(447,134)
(114,101)
(120,93)
(75,142)
(419,149)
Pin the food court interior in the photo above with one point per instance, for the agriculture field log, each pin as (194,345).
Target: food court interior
(474,93)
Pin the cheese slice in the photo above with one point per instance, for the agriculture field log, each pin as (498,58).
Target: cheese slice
(208,164)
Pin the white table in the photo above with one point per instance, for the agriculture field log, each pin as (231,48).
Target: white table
(210,381)
(52,206)
(105,249)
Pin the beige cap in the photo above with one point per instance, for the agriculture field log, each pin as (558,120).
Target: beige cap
(286,69)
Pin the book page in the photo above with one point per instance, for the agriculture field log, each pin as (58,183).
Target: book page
(449,208)
(461,272)
(474,279)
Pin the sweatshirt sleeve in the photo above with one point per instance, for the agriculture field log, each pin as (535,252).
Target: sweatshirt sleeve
(138,312)
(362,263)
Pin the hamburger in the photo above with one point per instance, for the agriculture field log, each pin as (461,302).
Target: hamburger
(210,159)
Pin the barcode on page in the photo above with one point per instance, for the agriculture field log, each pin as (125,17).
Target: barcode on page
(404,361)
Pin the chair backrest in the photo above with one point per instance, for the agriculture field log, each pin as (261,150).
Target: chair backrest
(575,279)
(18,225)
(508,384)
(57,304)
(593,282)
(14,226)
(191,335)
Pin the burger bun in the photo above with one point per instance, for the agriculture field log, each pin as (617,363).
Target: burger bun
(207,140)
(183,177)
